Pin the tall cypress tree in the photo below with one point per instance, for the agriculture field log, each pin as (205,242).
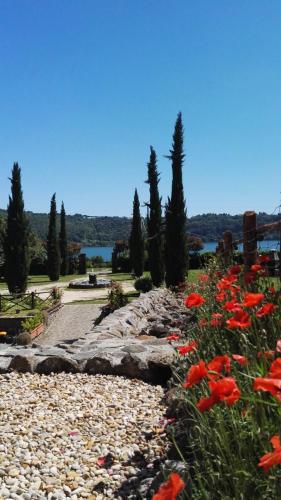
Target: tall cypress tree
(16,238)
(176,250)
(136,241)
(155,247)
(53,251)
(63,243)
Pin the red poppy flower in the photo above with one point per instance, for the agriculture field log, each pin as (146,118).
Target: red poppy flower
(235,269)
(194,300)
(226,282)
(218,364)
(173,337)
(221,296)
(272,458)
(203,278)
(265,310)
(252,299)
(263,258)
(225,390)
(272,290)
(195,374)
(271,385)
(266,354)
(249,277)
(241,319)
(242,360)
(216,319)
(275,369)
(170,489)
(233,292)
(185,349)
(232,306)
(202,322)
(256,267)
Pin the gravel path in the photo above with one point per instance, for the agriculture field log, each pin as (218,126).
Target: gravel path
(77,436)
(71,322)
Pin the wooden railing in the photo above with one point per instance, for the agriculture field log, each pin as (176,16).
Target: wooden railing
(25,301)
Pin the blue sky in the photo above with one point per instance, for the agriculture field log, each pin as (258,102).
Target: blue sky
(86,86)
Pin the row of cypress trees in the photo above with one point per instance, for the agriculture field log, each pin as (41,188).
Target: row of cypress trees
(166,243)
(56,245)
(16,240)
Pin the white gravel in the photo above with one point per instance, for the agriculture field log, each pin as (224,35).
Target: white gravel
(54,429)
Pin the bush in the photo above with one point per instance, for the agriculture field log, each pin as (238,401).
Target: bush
(143,284)
(116,297)
(30,323)
(23,338)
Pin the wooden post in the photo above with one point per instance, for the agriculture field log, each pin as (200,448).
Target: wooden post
(219,247)
(32,300)
(228,247)
(249,239)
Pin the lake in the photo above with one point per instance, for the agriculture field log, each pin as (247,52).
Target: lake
(210,246)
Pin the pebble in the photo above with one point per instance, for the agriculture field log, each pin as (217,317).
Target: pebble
(55,428)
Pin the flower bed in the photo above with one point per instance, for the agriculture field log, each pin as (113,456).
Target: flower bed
(227,381)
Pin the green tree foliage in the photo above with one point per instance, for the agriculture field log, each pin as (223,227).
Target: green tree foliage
(136,242)
(53,251)
(176,250)
(16,238)
(63,243)
(194,243)
(154,220)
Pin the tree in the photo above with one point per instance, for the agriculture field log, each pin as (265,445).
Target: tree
(194,243)
(16,238)
(63,243)
(53,251)
(136,242)
(154,221)
(176,258)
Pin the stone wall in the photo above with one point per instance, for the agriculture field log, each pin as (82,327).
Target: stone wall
(129,342)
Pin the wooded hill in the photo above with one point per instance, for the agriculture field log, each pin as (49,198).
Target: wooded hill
(104,231)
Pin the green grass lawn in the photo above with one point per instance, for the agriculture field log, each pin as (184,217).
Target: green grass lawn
(193,275)
(42,279)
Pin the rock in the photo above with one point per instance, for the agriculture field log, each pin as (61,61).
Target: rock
(23,364)
(56,364)
(4,364)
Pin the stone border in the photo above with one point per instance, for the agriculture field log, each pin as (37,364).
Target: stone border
(121,345)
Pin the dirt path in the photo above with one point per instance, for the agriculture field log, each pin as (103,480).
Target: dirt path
(71,322)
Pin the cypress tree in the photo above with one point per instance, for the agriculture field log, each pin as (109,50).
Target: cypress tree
(136,242)
(155,247)
(53,251)
(16,238)
(175,249)
(63,243)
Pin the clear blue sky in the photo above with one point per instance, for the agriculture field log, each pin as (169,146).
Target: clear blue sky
(87,85)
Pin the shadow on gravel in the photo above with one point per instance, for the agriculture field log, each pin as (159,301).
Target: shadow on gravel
(144,483)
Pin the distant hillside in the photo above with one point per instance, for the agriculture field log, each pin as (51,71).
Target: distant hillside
(104,231)
(210,227)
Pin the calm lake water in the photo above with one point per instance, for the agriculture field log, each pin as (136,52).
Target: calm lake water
(105,252)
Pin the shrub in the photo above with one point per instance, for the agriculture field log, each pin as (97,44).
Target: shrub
(23,338)
(30,323)
(143,284)
(116,297)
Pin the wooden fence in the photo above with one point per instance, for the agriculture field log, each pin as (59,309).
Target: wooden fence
(25,301)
